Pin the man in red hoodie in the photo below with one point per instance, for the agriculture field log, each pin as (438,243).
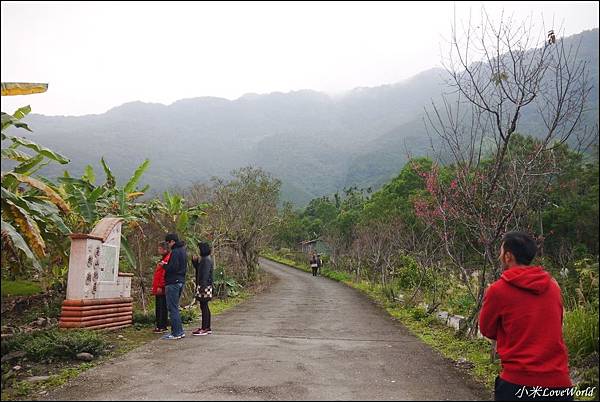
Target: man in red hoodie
(523,312)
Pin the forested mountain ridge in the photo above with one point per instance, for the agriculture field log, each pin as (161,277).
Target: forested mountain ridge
(316,144)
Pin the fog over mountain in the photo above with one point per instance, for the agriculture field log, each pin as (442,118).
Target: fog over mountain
(316,144)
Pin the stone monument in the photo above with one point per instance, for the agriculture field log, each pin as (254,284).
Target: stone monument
(98,295)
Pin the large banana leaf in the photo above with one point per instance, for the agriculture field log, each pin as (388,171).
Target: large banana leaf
(49,213)
(22,112)
(122,199)
(137,175)
(23,88)
(43,187)
(28,166)
(89,174)
(15,155)
(35,206)
(72,181)
(48,153)
(128,253)
(111,182)
(85,206)
(11,234)
(182,222)
(8,120)
(42,210)
(28,228)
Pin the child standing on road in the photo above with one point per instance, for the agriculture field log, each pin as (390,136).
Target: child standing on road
(158,289)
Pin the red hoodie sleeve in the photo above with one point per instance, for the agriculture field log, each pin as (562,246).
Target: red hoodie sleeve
(489,316)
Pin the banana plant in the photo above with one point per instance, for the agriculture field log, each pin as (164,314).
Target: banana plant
(32,210)
(92,202)
(180,218)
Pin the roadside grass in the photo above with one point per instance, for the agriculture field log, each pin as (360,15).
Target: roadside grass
(19,288)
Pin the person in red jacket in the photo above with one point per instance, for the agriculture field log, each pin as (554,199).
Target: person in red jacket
(158,288)
(523,312)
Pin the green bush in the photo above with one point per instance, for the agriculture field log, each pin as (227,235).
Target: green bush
(581,332)
(336,275)
(225,286)
(408,274)
(189,314)
(144,319)
(418,314)
(56,344)
(459,301)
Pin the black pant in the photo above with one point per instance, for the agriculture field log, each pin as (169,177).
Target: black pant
(161,311)
(314,271)
(507,391)
(205,314)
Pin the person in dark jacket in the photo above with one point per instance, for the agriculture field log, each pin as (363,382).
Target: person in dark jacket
(523,313)
(314,264)
(175,271)
(319,264)
(204,284)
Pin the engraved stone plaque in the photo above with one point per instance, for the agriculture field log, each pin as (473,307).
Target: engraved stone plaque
(109,263)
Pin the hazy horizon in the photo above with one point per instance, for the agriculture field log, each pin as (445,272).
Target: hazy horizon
(165,52)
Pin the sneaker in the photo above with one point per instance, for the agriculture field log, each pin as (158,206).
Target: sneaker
(201,332)
(171,336)
(159,330)
(168,337)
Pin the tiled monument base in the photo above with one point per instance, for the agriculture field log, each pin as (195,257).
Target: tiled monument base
(97,313)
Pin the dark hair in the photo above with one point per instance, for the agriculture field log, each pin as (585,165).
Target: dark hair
(164,245)
(171,236)
(204,249)
(521,245)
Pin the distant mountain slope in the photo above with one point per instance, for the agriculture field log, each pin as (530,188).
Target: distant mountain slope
(314,143)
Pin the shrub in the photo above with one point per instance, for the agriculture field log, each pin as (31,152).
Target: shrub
(225,286)
(56,344)
(459,301)
(144,319)
(418,314)
(408,274)
(336,275)
(581,332)
(188,315)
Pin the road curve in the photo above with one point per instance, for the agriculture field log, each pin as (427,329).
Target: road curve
(305,338)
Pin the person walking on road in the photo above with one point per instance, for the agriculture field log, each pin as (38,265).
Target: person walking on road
(314,263)
(319,264)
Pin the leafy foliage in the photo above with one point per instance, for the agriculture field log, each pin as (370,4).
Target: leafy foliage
(55,344)
(29,215)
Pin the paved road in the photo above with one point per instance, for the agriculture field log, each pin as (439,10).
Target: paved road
(305,338)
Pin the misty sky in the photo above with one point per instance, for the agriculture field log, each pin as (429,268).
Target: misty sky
(99,55)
